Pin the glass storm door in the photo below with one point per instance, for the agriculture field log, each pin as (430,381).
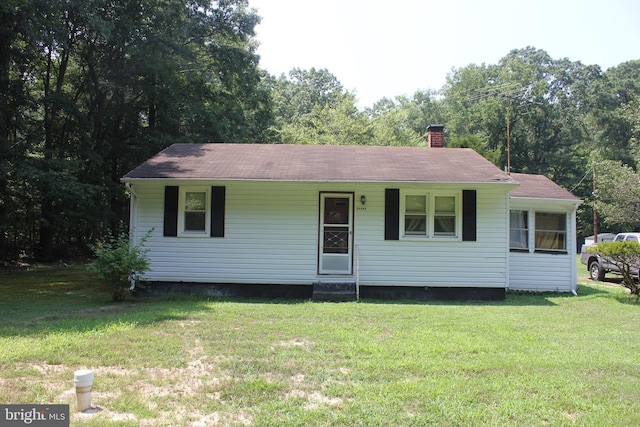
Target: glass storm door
(336,234)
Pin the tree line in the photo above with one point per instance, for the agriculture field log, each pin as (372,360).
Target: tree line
(91,88)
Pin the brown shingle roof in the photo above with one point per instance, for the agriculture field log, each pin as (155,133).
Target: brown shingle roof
(280,162)
(539,187)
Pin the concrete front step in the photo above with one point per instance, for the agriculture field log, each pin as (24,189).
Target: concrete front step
(334,291)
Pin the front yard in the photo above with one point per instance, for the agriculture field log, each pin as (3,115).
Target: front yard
(550,359)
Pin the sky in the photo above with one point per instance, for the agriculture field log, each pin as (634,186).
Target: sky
(390,48)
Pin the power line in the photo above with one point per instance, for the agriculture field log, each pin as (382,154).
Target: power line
(581,180)
(523,94)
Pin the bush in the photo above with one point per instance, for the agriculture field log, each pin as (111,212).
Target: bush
(119,264)
(626,257)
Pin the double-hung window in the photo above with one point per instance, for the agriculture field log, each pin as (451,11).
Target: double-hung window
(519,231)
(430,215)
(549,229)
(194,215)
(415,217)
(444,218)
(551,232)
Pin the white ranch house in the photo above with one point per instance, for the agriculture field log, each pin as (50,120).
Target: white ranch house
(385,222)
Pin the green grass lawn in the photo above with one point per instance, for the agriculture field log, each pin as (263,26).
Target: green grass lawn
(530,360)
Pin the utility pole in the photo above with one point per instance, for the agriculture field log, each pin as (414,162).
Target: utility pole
(595,211)
(522,95)
(509,135)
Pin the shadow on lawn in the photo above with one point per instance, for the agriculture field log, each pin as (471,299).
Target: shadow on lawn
(609,288)
(82,319)
(620,292)
(69,300)
(512,299)
(587,290)
(52,298)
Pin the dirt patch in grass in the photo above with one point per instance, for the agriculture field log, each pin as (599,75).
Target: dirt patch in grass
(314,399)
(47,370)
(296,342)
(170,386)
(194,383)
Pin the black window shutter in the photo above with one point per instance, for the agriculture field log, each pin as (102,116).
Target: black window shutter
(391,214)
(469,221)
(217,211)
(170,211)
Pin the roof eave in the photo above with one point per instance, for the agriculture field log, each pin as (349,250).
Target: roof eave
(576,201)
(474,183)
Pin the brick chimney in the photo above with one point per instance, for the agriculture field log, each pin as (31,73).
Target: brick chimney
(435,135)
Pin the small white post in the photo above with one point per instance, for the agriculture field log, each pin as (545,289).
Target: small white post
(83,381)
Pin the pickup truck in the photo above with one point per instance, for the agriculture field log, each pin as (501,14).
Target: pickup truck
(599,266)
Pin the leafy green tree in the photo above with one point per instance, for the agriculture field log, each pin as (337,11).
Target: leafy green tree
(612,134)
(303,91)
(61,28)
(312,107)
(89,89)
(614,94)
(325,125)
(618,191)
(631,113)
(548,113)
(473,103)
(528,104)
(10,31)
(404,120)
(391,127)
(477,144)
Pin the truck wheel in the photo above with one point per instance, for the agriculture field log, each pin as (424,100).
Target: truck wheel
(595,272)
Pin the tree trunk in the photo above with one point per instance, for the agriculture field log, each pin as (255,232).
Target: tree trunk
(45,241)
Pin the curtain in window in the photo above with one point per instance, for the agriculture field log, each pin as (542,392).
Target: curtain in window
(519,230)
(445,215)
(415,224)
(415,220)
(551,231)
(445,225)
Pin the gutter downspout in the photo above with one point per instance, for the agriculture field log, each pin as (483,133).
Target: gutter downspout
(357,274)
(132,213)
(133,237)
(507,244)
(574,269)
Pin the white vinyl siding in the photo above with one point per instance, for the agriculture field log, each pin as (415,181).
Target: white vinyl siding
(271,237)
(544,271)
(540,272)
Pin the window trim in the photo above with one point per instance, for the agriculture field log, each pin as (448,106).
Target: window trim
(182,194)
(405,213)
(535,232)
(446,214)
(430,233)
(527,230)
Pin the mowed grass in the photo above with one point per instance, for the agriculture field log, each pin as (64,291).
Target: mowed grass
(531,360)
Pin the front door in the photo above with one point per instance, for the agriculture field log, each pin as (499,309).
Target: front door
(336,233)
